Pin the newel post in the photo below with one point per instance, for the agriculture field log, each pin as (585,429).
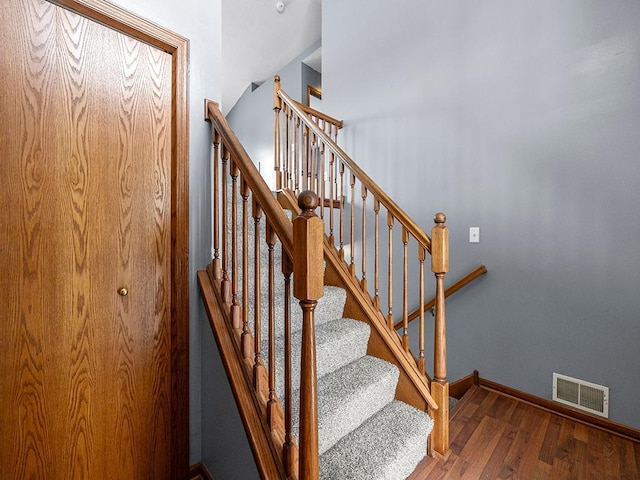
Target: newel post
(277,106)
(439,385)
(308,284)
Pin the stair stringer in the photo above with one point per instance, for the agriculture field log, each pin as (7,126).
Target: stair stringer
(412,387)
(268,458)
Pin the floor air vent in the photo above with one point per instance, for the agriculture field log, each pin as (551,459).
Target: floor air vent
(586,396)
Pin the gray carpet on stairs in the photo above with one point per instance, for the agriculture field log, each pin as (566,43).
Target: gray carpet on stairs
(364,434)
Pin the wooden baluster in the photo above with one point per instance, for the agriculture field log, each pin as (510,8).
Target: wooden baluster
(235,306)
(247,339)
(308,284)
(316,169)
(376,249)
(272,404)
(312,162)
(421,360)
(217,264)
(405,289)
(289,141)
(363,281)
(291,148)
(341,220)
(306,150)
(352,265)
(290,450)
(390,321)
(225,289)
(258,364)
(287,148)
(322,178)
(439,385)
(296,149)
(332,194)
(277,106)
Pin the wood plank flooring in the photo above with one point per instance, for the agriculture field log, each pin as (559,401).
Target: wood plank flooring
(496,437)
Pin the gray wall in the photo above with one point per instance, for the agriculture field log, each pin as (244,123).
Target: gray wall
(201,24)
(309,78)
(521,118)
(252,116)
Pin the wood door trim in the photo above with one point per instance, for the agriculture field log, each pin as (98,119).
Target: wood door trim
(177,46)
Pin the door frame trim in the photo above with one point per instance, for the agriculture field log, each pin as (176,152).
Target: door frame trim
(177,46)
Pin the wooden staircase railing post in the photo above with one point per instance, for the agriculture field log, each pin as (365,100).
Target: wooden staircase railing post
(308,285)
(277,106)
(439,385)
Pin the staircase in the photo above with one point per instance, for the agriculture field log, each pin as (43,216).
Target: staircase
(330,390)
(363,432)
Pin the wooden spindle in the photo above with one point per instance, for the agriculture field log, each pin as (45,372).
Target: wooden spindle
(341,219)
(315,164)
(308,284)
(422,367)
(305,165)
(439,385)
(225,287)
(390,321)
(277,106)
(322,179)
(217,264)
(258,364)
(286,154)
(376,253)
(247,339)
(290,450)
(405,289)
(332,194)
(272,405)
(352,264)
(363,280)
(296,155)
(235,306)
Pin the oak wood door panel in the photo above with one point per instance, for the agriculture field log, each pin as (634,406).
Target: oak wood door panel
(85,138)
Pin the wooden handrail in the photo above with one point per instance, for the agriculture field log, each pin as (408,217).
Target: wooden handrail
(464,281)
(317,113)
(302,255)
(373,188)
(279,220)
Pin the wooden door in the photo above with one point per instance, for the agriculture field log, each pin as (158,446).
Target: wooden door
(87,265)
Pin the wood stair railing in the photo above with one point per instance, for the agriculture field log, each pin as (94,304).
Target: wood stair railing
(225,289)
(307,158)
(463,282)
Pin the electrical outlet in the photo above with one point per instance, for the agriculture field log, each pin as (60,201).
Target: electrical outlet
(474,234)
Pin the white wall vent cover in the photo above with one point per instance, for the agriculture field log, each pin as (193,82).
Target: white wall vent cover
(583,395)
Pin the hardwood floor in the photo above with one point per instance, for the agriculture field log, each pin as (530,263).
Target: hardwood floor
(496,437)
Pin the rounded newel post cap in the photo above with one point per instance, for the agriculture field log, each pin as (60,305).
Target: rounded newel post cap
(440,218)
(308,200)
(276,78)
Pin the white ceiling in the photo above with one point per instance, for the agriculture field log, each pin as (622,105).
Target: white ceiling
(257,40)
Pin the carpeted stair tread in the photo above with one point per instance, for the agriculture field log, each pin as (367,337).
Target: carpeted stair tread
(388,446)
(338,343)
(349,396)
(330,307)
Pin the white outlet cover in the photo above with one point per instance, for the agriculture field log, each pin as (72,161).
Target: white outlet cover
(474,234)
